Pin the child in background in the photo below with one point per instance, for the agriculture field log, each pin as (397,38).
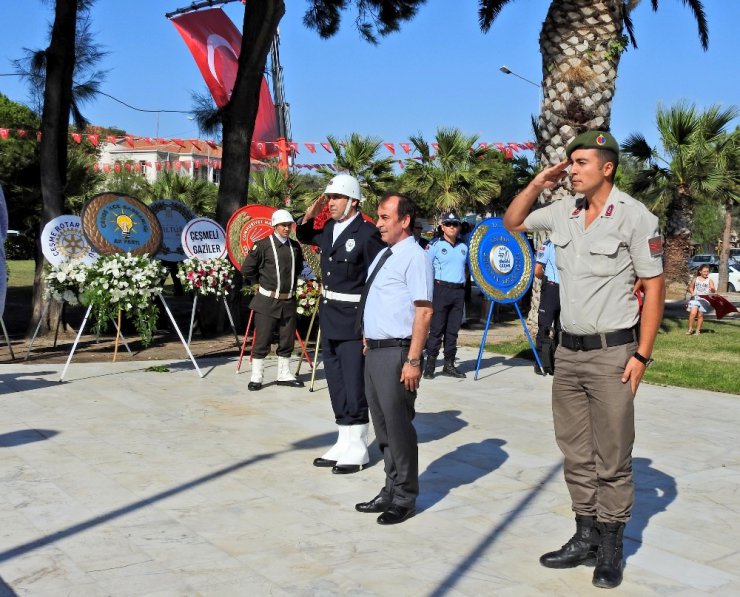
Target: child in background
(696,307)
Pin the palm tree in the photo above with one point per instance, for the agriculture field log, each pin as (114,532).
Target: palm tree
(693,165)
(197,194)
(581,43)
(358,155)
(271,186)
(458,176)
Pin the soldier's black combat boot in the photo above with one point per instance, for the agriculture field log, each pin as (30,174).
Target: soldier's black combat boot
(581,549)
(609,559)
(429,366)
(450,369)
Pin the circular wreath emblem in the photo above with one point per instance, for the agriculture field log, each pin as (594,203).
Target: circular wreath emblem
(114,223)
(246,226)
(501,262)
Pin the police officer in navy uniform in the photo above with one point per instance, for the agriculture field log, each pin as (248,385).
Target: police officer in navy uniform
(449,255)
(548,315)
(348,245)
(274,262)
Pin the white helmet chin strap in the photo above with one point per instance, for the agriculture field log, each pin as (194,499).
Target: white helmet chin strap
(347,209)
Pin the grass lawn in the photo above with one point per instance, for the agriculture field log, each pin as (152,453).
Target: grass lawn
(21,273)
(710,361)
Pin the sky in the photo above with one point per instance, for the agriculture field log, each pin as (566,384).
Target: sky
(439,70)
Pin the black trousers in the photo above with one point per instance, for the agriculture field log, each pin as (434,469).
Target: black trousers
(448,306)
(392,412)
(548,315)
(344,364)
(265,326)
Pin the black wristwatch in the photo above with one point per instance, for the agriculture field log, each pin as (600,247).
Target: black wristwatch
(414,362)
(647,361)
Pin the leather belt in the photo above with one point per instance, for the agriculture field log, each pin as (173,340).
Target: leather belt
(282,296)
(597,341)
(341,296)
(387,343)
(448,284)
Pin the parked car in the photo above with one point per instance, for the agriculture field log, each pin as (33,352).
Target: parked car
(698,260)
(734,278)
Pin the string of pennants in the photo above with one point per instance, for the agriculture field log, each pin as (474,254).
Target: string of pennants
(313,147)
(509,149)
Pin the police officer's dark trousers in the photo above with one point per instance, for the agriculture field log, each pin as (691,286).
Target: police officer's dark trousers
(343,367)
(448,301)
(548,315)
(392,411)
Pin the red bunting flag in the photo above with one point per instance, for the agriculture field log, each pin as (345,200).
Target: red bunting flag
(77,138)
(38,136)
(406,147)
(93,139)
(137,167)
(21,133)
(390,147)
(294,147)
(311,147)
(500,146)
(508,153)
(186,163)
(111,139)
(326,146)
(106,168)
(4,133)
(158,166)
(194,144)
(212,144)
(483,145)
(117,167)
(129,141)
(128,166)
(514,146)
(179,142)
(96,168)
(197,164)
(435,146)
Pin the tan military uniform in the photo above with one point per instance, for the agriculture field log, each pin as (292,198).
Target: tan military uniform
(592,409)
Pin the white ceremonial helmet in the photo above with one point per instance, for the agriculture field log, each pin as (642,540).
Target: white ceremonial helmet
(281,216)
(344,184)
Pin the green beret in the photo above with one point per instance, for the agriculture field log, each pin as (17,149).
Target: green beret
(593,140)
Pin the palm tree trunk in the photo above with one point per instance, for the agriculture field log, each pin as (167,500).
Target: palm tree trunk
(579,44)
(679,223)
(724,256)
(261,19)
(60,63)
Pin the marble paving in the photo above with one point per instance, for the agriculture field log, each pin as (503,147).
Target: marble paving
(123,481)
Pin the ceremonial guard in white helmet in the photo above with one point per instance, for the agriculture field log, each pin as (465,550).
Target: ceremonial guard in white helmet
(274,263)
(348,245)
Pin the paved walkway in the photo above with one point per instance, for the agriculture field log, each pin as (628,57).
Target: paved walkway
(122,481)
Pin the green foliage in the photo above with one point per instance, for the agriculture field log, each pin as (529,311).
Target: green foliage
(708,219)
(198,194)
(459,176)
(276,188)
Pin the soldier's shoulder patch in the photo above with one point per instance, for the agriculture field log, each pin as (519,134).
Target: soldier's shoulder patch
(655,245)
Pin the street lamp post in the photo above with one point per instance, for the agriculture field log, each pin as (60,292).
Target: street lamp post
(507,71)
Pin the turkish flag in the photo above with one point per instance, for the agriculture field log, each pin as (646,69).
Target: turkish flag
(215,44)
(720,304)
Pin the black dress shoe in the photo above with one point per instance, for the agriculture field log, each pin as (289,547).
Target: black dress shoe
(375,506)
(395,514)
(254,386)
(293,383)
(346,469)
(324,463)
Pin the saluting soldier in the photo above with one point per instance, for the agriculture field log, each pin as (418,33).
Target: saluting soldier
(274,263)
(604,241)
(348,245)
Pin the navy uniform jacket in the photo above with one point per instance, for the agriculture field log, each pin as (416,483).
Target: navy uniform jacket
(343,269)
(259,267)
